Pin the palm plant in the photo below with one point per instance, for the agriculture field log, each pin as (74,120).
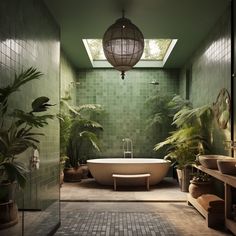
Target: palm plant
(80,132)
(16,128)
(162,110)
(192,134)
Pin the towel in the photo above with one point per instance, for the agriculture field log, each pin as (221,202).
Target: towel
(211,203)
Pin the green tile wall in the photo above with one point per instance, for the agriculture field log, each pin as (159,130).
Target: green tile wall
(29,36)
(210,67)
(123,102)
(68,78)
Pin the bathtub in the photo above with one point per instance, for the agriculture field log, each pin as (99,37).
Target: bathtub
(102,169)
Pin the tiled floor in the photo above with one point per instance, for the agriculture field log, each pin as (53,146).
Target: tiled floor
(132,219)
(89,190)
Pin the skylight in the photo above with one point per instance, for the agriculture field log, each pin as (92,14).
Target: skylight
(156,52)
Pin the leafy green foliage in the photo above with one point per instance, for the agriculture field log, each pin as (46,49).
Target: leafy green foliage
(192,134)
(78,133)
(19,135)
(41,104)
(21,79)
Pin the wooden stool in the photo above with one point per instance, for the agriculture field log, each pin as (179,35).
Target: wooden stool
(122,176)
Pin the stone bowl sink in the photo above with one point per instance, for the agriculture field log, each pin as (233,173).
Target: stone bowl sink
(227,166)
(210,161)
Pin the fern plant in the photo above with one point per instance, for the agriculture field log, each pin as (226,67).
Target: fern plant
(16,128)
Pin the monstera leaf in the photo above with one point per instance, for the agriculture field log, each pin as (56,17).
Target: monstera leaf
(41,104)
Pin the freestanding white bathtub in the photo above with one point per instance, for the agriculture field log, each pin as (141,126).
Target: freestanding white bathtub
(102,169)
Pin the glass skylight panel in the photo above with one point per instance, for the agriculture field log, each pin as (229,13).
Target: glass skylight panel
(96,50)
(155,49)
(155,54)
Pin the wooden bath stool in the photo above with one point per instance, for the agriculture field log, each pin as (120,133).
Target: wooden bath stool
(121,176)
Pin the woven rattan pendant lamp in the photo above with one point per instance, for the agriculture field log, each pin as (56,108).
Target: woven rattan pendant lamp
(123,45)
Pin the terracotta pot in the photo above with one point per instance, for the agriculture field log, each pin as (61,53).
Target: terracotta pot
(196,188)
(73,174)
(85,171)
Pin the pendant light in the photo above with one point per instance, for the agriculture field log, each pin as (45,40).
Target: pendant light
(123,45)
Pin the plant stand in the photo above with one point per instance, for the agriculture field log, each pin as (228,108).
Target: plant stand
(8,214)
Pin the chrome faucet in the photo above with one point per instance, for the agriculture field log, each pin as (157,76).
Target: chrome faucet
(127,147)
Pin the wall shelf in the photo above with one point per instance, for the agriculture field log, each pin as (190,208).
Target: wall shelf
(229,181)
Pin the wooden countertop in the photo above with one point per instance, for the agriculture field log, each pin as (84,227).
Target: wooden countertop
(228,179)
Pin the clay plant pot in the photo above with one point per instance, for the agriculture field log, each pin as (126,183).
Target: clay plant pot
(197,188)
(85,171)
(73,174)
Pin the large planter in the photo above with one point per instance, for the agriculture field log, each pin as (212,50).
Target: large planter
(196,188)
(184,177)
(85,171)
(73,174)
(8,214)
(7,192)
(8,208)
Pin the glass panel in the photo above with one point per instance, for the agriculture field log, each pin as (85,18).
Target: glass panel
(154,49)
(41,199)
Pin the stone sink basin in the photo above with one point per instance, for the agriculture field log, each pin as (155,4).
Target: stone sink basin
(210,161)
(227,166)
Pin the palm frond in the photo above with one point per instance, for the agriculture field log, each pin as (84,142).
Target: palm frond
(23,78)
(30,119)
(16,171)
(187,115)
(92,138)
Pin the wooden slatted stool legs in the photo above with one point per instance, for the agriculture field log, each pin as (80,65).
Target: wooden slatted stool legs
(148,177)
(114,184)
(123,176)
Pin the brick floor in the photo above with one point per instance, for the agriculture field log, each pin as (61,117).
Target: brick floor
(115,223)
(133,219)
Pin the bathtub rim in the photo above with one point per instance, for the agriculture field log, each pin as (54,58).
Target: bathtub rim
(128,161)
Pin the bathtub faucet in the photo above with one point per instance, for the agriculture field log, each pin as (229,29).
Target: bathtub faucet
(127,147)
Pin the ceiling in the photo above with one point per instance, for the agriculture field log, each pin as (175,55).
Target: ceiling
(189,21)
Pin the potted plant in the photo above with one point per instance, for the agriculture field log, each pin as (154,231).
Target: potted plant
(82,138)
(62,166)
(16,136)
(65,128)
(201,183)
(191,137)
